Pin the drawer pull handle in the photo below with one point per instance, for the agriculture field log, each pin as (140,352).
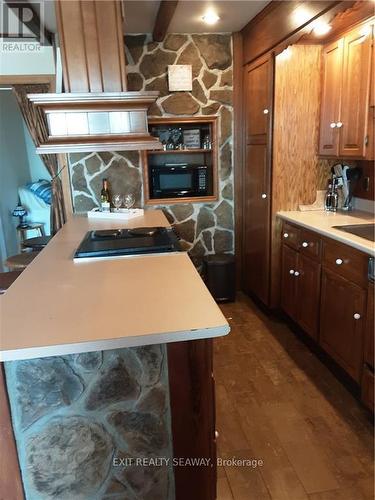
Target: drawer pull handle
(296,273)
(305,244)
(291,271)
(339,124)
(339,262)
(357,316)
(333,125)
(286,235)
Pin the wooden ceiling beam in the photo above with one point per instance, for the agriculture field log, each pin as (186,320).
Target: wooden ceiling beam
(163,19)
(35,24)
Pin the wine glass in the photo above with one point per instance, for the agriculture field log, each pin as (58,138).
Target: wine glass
(129,200)
(117,201)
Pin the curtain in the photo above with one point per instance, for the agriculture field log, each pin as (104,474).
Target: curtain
(37,125)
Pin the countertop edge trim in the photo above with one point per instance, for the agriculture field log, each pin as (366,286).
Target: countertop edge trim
(124,342)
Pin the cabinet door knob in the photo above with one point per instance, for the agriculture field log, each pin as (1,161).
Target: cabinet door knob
(291,271)
(356,316)
(265,111)
(217,434)
(333,125)
(264,195)
(339,124)
(296,273)
(339,262)
(305,244)
(286,235)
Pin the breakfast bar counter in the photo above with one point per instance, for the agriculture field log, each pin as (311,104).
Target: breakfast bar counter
(104,395)
(60,306)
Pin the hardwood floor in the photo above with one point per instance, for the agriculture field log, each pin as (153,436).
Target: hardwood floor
(276,402)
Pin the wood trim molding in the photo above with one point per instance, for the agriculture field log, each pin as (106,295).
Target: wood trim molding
(238,151)
(215,161)
(29,80)
(277,22)
(163,19)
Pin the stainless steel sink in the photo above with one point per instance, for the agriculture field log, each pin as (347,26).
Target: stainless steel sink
(366,231)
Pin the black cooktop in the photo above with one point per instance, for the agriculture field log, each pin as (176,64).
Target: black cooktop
(115,242)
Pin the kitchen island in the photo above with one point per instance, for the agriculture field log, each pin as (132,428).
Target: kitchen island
(98,376)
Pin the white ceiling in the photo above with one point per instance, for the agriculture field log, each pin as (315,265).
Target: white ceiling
(140,15)
(234,15)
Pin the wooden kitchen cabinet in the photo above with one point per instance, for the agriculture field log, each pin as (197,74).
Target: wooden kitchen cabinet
(367,387)
(331,97)
(342,321)
(257,178)
(300,289)
(288,281)
(355,101)
(345,127)
(308,295)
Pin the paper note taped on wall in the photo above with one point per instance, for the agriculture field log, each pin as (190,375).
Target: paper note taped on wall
(180,77)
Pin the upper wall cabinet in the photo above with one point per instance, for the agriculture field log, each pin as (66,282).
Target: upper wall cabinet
(346,123)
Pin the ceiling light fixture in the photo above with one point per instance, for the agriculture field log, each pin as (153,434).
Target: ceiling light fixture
(301,16)
(210,17)
(321,28)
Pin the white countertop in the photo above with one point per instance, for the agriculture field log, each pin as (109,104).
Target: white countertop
(322,222)
(58,306)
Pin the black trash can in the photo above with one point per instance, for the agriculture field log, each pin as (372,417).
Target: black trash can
(220,276)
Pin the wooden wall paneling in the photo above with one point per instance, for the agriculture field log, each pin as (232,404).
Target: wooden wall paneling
(297,171)
(192,392)
(91,42)
(277,22)
(238,138)
(10,475)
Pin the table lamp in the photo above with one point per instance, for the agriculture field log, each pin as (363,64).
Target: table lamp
(20,212)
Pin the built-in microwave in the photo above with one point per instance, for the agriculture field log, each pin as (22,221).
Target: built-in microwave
(179,180)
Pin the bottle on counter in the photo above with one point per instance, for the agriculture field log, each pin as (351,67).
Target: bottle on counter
(105,197)
(335,196)
(329,198)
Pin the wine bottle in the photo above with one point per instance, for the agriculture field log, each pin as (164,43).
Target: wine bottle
(105,197)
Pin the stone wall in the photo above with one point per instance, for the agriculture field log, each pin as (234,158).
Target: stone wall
(76,419)
(205,228)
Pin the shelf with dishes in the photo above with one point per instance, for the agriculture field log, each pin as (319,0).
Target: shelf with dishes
(186,169)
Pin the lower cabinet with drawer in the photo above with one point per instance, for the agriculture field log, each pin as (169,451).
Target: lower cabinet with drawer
(324,290)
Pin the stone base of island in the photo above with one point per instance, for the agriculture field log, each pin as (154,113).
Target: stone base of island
(109,416)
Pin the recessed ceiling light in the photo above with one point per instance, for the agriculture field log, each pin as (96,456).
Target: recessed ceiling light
(210,17)
(321,28)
